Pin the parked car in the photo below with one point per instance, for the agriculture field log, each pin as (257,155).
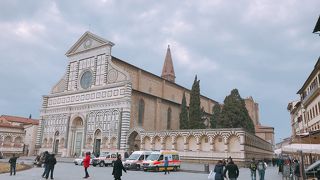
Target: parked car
(311,170)
(105,159)
(79,160)
(134,161)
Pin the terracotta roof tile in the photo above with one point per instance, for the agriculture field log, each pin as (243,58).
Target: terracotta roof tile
(20,119)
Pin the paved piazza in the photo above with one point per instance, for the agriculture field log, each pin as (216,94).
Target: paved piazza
(68,171)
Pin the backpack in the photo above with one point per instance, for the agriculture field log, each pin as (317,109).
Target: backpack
(253,166)
(261,166)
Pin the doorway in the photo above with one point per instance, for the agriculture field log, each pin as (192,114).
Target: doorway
(134,142)
(56,146)
(97,142)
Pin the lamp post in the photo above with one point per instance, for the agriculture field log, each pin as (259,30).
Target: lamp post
(302,171)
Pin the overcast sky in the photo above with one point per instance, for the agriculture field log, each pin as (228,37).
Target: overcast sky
(264,48)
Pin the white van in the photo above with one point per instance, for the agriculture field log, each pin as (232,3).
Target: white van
(156,160)
(134,161)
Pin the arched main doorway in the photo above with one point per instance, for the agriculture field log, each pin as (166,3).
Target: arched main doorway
(134,142)
(97,142)
(77,136)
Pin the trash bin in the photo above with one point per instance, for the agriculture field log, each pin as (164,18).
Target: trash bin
(206,168)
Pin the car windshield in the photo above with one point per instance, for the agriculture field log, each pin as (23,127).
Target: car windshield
(133,157)
(153,157)
(104,154)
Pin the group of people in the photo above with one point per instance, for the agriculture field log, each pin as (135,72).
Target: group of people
(222,169)
(117,167)
(290,169)
(259,166)
(49,161)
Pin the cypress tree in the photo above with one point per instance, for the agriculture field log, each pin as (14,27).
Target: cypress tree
(234,113)
(184,120)
(203,119)
(194,107)
(215,119)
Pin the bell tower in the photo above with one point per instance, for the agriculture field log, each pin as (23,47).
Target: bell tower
(167,70)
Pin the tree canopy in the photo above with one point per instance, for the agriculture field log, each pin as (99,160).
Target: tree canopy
(184,120)
(234,113)
(195,119)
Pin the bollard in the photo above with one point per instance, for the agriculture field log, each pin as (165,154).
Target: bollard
(206,168)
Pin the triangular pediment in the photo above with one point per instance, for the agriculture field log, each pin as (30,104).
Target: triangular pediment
(86,42)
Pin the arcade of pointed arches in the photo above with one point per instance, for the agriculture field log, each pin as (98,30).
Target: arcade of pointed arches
(181,140)
(10,140)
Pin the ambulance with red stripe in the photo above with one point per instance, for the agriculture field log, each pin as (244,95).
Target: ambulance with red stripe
(156,160)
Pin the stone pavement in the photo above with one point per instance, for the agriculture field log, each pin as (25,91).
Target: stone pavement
(69,171)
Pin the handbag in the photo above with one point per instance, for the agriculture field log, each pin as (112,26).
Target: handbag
(211,175)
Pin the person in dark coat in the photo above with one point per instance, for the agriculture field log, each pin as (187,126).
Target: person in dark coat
(218,169)
(86,164)
(44,160)
(232,169)
(13,164)
(166,164)
(50,165)
(117,168)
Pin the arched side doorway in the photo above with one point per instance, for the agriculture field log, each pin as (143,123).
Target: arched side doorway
(56,143)
(97,142)
(134,142)
(76,136)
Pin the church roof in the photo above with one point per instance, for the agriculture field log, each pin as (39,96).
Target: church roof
(156,76)
(168,70)
(20,119)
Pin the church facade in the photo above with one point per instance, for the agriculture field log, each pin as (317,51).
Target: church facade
(103,103)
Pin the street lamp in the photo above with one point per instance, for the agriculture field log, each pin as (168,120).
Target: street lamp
(316,29)
(302,171)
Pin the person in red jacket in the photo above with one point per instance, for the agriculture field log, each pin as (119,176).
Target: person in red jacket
(86,164)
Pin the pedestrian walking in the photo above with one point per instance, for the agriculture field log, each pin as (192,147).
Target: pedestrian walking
(232,169)
(50,165)
(286,170)
(253,169)
(218,169)
(44,159)
(262,166)
(296,171)
(118,168)
(86,164)
(166,164)
(13,164)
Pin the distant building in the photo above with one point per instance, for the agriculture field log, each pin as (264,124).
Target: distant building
(17,135)
(305,115)
(264,132)
(305,112)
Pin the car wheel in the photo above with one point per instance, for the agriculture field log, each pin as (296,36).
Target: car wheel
(82,163)
(138,167)
(157,169)
(101,164)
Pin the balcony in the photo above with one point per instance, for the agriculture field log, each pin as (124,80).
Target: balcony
(312,94)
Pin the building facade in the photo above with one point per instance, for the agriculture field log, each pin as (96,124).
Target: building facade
(17,135)
(305,111)
(103,103)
